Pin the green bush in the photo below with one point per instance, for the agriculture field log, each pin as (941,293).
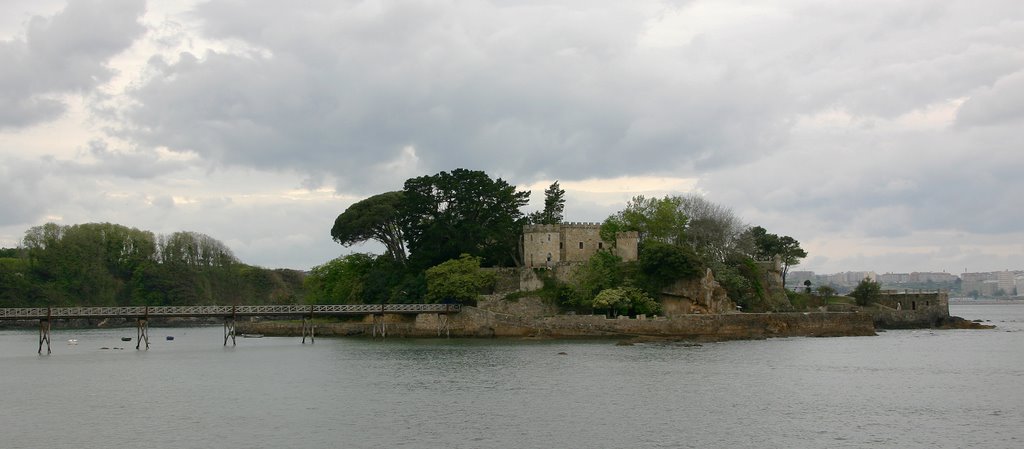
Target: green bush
(457,281)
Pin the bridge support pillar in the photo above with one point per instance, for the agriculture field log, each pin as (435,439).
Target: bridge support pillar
(379,326)
(44,335)
(308,328)
(142,328)
(443,325)
(229,330)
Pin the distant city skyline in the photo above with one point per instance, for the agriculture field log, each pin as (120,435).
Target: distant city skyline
(988,284)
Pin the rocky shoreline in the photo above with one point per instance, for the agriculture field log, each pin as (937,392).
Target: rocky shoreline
(530,318)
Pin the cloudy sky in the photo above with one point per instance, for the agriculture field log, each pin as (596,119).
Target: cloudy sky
(882,135)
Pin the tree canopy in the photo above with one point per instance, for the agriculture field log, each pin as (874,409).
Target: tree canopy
(462,212)
(652,218)
(767,246)
(866,292)
(109,264)
(376,218)
(554,205)
(712,230)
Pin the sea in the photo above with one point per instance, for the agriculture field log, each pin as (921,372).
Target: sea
(900,389)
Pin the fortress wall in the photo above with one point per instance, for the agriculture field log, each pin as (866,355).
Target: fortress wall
(911,310)
(581,241)
(572,242)
(627,245)
(475,322)
(540,242)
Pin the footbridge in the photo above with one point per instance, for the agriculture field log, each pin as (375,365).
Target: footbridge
(142,314)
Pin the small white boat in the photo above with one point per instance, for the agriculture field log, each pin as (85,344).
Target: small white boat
(72,341)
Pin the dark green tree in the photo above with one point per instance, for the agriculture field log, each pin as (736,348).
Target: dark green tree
(767,246)
(374,218)
(109,264)
(664,264)
(462,212)
(554,205)
(866,292)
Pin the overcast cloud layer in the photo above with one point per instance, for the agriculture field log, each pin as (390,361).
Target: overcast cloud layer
(881,135)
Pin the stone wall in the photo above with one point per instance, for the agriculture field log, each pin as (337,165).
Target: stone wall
(627,245)
(581,241)
(549,245)
(477,322)
(507,279)
(542,245)
(911,310)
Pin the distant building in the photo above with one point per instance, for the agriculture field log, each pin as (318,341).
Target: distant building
(549,245)
(1006,281)
(917,277)
(894,278)
(798,278)
(936,277)
(973,283)
(851,277)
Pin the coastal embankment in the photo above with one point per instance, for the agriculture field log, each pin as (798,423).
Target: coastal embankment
(491,320)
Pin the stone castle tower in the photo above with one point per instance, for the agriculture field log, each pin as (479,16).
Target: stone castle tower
(548,245)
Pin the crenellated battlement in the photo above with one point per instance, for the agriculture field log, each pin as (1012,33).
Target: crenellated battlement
(559,227)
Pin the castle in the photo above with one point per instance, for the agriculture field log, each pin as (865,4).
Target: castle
(549,245)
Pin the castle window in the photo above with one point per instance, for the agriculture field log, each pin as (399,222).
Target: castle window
(561,245)
(600,245)
(549,237)
(581,245)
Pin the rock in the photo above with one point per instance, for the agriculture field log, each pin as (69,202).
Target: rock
(955,322)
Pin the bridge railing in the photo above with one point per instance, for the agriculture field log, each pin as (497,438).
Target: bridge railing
(225,311)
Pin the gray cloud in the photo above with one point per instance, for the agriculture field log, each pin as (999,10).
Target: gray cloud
(25,191)
(65,53)
(1002,103)
(832,122)
(567,90)
(137,164)
(535,89)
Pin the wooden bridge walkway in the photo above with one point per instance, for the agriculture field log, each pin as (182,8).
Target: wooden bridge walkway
(142,314)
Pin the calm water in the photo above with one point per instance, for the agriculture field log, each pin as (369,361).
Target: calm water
(900,389)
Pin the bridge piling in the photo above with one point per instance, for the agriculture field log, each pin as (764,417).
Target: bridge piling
(308,328)
(229,330)
(443,325)
(380,327)
(142,332)
(44,335)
